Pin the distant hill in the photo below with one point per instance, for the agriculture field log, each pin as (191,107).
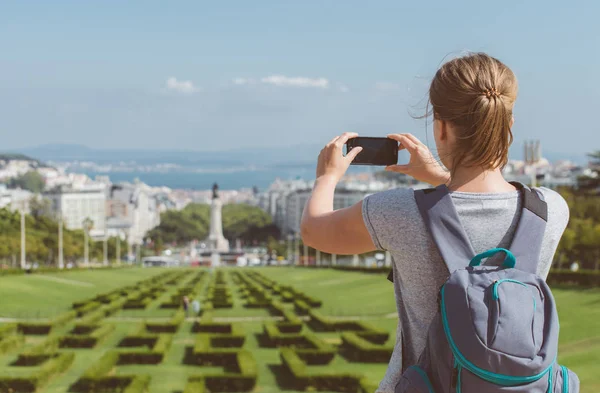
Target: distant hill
(19,157)
(292,155)
(284,156)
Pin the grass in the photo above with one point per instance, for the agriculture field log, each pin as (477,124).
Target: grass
(46,295)
(343,294)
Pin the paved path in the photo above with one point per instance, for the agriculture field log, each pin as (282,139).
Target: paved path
(220,319)
(63,280)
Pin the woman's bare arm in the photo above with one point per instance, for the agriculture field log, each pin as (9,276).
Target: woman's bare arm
(341,231)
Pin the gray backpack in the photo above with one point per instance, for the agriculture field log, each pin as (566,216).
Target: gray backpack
(497,326)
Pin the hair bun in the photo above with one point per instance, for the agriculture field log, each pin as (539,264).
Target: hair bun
(493,92)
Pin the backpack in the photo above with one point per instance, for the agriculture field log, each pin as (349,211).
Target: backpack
(496,329)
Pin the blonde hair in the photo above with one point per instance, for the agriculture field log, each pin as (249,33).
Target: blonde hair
(476,94)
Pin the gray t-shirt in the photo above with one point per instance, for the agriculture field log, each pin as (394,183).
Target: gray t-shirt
(395,224)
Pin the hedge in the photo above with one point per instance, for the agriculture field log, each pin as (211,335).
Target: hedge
(301,307)
(320,322)
(312,349)
(86,340)
(195,386)
(302,379)
(357,349)
(54,365)
(586,278)
(240,374)
(116,384)
(43,328)
(9,343)
(581,278)
(206,325)
(168,327)
(42,270)
(10,337)
(8,329)
(95,378)
(85,308)
(157,346)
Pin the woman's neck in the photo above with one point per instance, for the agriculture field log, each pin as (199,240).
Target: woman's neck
(479,180)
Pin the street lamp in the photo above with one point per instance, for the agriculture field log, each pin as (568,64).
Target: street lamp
(61,261)
(23,255)
(87,226)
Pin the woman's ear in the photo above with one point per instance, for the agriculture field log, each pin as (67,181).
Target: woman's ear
(443,131)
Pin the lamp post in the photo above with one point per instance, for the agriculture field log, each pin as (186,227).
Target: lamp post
(290,247)
(61,261)
(23,255)
(118,248)
(105,249)
(87,225)
(297,250)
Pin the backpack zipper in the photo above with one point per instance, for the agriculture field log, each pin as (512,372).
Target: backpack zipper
(456,373)
(495,378)
(565,376)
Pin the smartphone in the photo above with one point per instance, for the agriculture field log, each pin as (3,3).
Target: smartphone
(376,151)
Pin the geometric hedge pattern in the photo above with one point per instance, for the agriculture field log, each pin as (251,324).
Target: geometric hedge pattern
(218,349)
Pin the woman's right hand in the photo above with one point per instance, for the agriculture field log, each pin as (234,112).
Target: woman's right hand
(422,165)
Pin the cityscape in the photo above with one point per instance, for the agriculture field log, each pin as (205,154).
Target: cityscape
(130,210)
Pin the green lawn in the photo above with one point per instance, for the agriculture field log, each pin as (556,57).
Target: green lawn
(343,294)
(46,295)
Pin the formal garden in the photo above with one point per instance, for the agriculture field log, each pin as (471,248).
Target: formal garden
(261,330)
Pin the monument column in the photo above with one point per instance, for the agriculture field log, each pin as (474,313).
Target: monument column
(216,241)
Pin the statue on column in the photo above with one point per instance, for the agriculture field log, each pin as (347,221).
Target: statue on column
(215,190)
(216,241)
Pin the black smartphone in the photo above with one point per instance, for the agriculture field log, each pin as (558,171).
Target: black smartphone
(376,151)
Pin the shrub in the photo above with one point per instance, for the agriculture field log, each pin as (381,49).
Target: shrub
(357,349)
(581,278)
(54,364)
(86,307)
(195,386)
(87,341)
(9,343)
(169,327)
(157,346)
(309,347)
(44,328)
(240,373)
(315,380)
(301,307)
(8,329)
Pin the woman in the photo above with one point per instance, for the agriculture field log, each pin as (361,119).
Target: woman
(471,100)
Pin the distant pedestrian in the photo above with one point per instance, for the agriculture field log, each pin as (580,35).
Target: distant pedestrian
(186,305)
(196,307)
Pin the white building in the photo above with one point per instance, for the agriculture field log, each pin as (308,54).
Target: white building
(77,204)
(15,168)
(16,199)
(135,205)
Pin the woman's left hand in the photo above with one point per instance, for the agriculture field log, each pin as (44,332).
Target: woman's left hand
(332,162)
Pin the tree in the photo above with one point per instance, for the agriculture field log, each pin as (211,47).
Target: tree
(31,181)
(592,183)
(240,221)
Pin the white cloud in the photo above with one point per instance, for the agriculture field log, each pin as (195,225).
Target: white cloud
(386,86)
(343,88)
(297,81)
(181,86)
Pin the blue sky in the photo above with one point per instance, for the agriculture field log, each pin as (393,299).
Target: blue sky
(217,75)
